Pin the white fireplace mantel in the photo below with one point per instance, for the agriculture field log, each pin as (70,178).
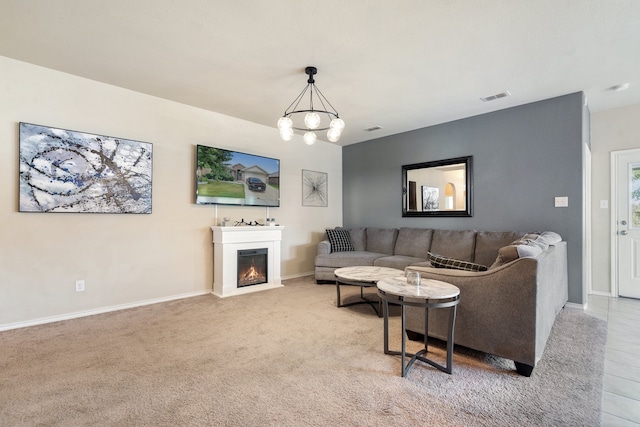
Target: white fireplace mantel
(227,241)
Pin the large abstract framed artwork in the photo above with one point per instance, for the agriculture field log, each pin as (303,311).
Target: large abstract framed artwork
(68,171)
(314,188)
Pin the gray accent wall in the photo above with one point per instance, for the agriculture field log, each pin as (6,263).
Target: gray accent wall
(523,157)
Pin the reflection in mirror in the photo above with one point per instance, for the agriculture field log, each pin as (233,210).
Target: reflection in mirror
(438,188)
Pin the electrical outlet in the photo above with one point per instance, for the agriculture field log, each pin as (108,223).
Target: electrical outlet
(79,285)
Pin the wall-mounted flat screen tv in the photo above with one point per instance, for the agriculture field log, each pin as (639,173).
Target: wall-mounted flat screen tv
(226,177)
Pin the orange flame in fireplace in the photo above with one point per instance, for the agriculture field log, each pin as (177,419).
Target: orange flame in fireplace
(251,273)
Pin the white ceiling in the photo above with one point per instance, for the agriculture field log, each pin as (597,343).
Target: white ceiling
(402,64)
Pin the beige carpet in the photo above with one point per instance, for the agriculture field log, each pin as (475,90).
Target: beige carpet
(284,357)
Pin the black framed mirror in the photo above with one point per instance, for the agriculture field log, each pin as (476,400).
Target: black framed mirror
(439,188)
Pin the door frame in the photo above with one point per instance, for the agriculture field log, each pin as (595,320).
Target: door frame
(587,284)
(614,215)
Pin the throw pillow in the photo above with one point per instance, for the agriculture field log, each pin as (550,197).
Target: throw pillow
(550,238)
(529,246)
(439,261)
(506,254)
(340,240)
(529,251)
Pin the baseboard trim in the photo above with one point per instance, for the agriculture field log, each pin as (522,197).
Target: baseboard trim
(51,319)
(577,306)
(69,316)
(295,276)
(603,294)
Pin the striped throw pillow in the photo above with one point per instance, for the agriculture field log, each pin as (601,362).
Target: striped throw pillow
(439,261)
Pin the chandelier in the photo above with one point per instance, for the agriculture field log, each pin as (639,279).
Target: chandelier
(313,117)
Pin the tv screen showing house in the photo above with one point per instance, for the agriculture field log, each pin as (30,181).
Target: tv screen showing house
(226,177)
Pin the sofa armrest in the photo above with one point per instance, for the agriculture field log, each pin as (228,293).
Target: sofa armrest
(507,311)
(496,313)
(324,247)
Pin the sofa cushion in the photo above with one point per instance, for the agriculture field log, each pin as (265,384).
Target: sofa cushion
(397,261)
(488,243)
(358,238)
(424,264)
(382,240)
(458,244)
(439,261)
(346,259)
(415,242)
(340,240)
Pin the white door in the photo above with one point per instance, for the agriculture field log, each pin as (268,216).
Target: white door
(627,221)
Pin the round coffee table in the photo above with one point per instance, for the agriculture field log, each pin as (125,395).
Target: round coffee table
(429,294)
(365,277)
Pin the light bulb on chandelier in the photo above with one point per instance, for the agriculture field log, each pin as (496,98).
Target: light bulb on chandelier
(312,117)
(286,134)
(285,123)
(309,138)
(337,124)
(333,135)
(312,120)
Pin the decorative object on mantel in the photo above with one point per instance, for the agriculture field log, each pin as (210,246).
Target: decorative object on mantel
(242,223)
(314,188)
(68,171)
(312,118)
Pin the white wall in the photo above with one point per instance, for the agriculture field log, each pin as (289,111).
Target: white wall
(126,259)
(612,130)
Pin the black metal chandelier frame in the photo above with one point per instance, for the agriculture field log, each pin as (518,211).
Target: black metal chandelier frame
(312,89)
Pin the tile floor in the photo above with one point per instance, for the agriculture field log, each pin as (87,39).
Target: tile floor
(621,397)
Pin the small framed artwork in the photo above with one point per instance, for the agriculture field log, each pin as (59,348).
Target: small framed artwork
(430,198)
(314,188)
(68,171)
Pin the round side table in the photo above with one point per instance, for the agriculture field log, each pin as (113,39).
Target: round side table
(430,294)
(364,277)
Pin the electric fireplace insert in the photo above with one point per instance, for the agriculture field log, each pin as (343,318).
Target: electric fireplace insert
(252,267)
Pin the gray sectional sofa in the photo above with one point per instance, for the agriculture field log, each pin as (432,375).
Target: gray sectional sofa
(507,310)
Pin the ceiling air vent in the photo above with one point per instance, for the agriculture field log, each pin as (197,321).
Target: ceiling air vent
(620,87)
(372,128)
(496,96)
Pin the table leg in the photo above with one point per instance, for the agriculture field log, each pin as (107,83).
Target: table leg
(363,300)
(385,310)
(422,354)
(452,320)
(426,330)
(404,340)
